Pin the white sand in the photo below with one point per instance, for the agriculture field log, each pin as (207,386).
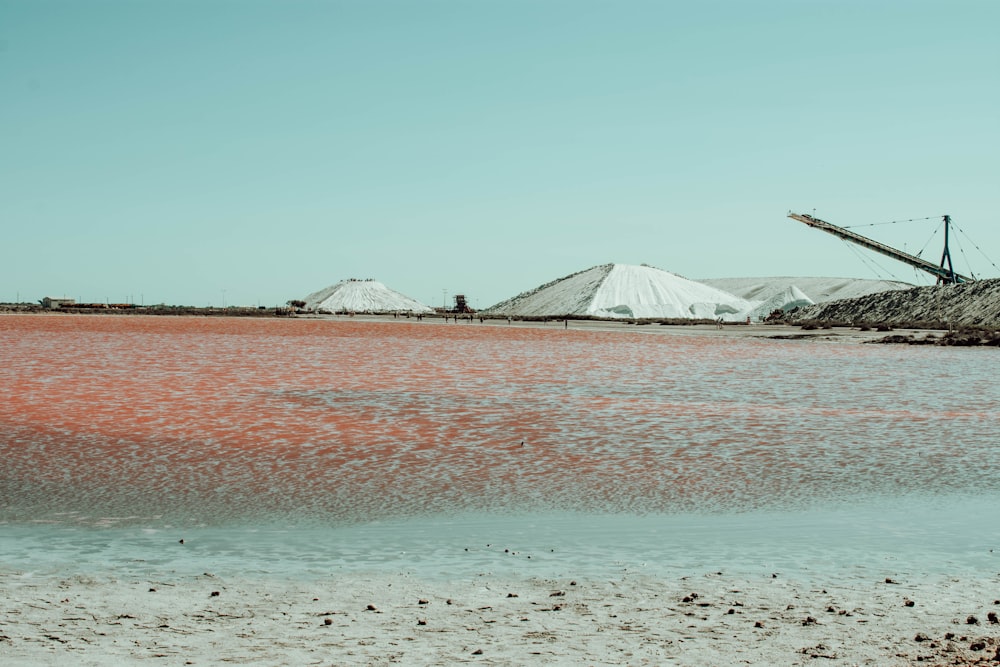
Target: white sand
(495,621)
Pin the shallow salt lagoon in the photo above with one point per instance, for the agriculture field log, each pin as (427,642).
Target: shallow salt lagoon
(917,536)
(297,449)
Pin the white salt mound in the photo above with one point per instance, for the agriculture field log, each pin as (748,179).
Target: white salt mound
(363,296)
(786,293)
(816,290)
(625,291)
(786,299)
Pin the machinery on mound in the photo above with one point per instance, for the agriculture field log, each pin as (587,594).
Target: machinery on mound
(944,272)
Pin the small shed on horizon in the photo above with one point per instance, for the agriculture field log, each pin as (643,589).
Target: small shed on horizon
(54,303)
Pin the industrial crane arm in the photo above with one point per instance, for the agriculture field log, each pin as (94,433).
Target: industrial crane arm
(940,272)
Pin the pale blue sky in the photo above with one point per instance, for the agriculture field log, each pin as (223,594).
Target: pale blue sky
(255,151)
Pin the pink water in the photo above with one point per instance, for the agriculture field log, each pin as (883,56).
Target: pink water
(152,422)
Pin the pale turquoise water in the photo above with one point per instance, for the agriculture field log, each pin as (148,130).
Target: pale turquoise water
(926,535)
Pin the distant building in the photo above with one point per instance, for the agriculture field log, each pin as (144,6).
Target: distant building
(55,303)
(461,305)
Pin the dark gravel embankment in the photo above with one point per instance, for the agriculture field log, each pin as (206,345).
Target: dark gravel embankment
(938,306)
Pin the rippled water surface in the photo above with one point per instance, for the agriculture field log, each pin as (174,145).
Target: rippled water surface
(155,423)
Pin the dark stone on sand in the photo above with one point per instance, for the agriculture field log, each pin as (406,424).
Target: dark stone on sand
(992,617)
(152,590)
(557,594)
(758,624)
(949,635)
(422,601)
(830,610)
(421,621)
(809,620)
(327,621)
(371,607)
(921,637)
(972,620)
(908,603)
(180,541)
(478,651)
(731,611)
(977,646)
(889,581)
(214,594)
(512,595)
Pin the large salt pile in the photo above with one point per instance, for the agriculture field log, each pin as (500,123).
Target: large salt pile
(817,290)
(788,293)
(363,296)
(785,300)
(625,291)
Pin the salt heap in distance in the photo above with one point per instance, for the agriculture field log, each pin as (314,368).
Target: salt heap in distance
(625,291)
(363,296)
(791,292)
(786,293)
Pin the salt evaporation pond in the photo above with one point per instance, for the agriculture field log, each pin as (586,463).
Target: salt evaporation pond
(304,447)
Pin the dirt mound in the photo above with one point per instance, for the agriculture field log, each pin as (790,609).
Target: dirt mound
(936,306)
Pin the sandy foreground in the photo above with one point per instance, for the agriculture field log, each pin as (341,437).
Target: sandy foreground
(704,619)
